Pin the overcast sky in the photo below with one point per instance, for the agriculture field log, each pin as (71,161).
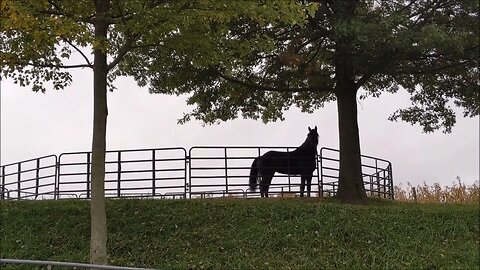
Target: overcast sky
(35,124)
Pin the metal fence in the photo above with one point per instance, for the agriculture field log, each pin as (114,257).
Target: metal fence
(224,171)
(29,179)
(156,172)
(213,171)
(70,265)
(376,172)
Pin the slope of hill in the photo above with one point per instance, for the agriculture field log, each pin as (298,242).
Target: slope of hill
(288,233)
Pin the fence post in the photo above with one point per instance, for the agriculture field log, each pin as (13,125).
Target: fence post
(371,184)
(119,174)
(392,195)
(37,181)
(377,176)
(414,193)
(188,163)
(56,189)
(320,173)
(378,182)
(256,177)
(226,169)
(316,165)
(2,196)
(153,173)
(19,179)
(186,167)
(88,175)
(289,171)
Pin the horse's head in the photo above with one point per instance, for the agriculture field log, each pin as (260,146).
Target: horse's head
(312,136)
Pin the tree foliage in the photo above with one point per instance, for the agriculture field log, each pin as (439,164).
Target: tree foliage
(39,37)
(259,70)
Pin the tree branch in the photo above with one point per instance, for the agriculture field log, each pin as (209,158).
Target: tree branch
(363,79)
(256,86)
(59,66)
(126,47)
(431,70)
(78,50)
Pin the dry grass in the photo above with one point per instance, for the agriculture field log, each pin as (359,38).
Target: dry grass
(457,193)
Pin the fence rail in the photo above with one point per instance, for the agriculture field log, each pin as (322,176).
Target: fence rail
(207,171)
(72,265)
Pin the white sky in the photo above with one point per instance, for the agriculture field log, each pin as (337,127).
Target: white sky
(35,124)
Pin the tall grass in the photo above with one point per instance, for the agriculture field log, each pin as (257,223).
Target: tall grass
(457,193)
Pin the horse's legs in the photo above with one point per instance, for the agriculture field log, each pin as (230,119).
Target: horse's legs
(262,186)
(268,181)
(306,179)
(264,191)
(302,185)
(265,184)
(309,185)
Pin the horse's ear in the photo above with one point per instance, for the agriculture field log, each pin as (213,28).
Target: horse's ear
(315,128)
(309,129)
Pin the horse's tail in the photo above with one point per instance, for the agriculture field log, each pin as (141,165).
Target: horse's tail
(253,175)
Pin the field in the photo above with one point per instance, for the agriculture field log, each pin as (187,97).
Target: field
(275,233)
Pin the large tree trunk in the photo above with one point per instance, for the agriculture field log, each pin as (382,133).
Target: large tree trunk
(350,182)
(98,240)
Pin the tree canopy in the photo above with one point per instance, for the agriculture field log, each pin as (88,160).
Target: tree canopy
(429,48)
(39,37)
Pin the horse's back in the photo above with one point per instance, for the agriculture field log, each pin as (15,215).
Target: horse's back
(287,162)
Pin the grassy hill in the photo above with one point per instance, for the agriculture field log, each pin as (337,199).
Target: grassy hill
(288,233)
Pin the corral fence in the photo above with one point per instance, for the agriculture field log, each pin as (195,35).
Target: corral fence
(69,265)
(200,172)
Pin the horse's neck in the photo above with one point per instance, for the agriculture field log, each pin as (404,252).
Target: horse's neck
(307,146)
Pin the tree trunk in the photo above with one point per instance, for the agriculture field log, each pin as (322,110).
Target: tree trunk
(350,182)
(98,240)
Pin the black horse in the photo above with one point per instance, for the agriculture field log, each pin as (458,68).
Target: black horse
(301,161)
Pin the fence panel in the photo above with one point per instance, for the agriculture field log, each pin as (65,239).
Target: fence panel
(159,172)
(376,172)
(224,171)
(29,179)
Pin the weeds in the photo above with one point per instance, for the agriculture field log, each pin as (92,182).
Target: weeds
(457,193)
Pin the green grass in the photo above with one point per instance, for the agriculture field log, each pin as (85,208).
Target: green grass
(249,234)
